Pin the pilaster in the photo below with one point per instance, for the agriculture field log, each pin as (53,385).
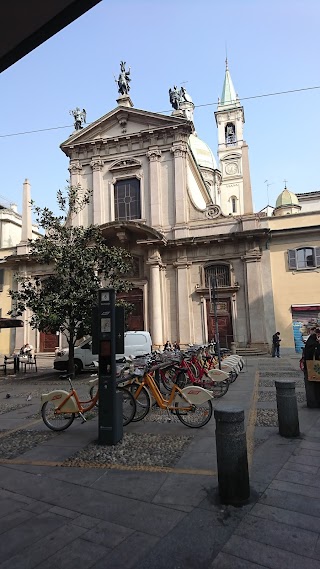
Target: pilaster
(255,303)
(75,170)
(179,151)
(184,311)
(154,155)
(97,165)
(154,263)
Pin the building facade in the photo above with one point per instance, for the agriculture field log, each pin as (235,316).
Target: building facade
(188,222)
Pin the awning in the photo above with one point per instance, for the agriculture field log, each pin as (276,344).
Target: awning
(10,323)
(305,307)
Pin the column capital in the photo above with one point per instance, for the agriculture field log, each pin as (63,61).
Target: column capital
(154,154)
(75,167)
(252,256)
(96,164)
(182,264)
(179,149)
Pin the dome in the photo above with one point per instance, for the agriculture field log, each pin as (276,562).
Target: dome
(202,153)
(287,198)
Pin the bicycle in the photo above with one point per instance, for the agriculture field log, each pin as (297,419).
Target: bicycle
(60,408)
(192,404)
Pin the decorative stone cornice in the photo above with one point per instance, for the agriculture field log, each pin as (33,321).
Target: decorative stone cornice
(182,264)
(154,154)
(252,256)
(125,163)
(96,164)
(75,167)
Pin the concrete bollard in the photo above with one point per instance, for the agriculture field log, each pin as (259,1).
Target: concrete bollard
(233,348)
(231,444)
(287,408)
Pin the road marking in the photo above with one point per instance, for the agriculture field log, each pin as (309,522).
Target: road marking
(252,419)
(83,464)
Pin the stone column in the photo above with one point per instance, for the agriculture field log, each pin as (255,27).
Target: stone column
(154,155)
(155,301)
(180,190)
(255,305)
(75,169)
(26,222)
(97,197)
(183,303)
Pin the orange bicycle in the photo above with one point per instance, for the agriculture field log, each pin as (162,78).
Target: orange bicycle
(60,408)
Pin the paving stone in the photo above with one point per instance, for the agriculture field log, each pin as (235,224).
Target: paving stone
(134,484)
(41,549)
(80,554)
(305,458)
(107,534)
(293,502)
(293,488)
(305,478)
(87,522)
(310,445)
(296,467)
(278,534)
(12,519)
(267,555)
(188,490)
(25,534)
(226,561)
(130,552)
(64,512)
(296,519)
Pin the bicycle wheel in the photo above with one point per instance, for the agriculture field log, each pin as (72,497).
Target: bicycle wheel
(168,378)
(217,388)
(55,421)
(182,379)
(128,405)
(194,369)
(142,400)
(232,376)
(93,392)
(199,416)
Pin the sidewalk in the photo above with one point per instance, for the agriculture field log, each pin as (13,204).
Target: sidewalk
(161,517)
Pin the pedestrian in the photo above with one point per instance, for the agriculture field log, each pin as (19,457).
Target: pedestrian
(312,345)
(276,345)
(176,346)
(167,346)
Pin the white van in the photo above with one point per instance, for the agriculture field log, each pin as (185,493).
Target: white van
(135,344)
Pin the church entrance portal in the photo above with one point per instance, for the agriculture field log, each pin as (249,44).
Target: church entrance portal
(224,322)
(135,319)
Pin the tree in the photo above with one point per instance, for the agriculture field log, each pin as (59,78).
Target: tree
(78,262)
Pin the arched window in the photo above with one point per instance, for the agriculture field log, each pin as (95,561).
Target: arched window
(234,204)
(221,274)
(230,133)
(127,200)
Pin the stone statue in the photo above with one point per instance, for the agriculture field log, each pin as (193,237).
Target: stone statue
(123,79)
(79,118)
(177,97)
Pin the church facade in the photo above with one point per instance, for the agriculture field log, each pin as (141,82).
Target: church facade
(187,221)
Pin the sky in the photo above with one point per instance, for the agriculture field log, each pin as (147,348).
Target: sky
(272,46)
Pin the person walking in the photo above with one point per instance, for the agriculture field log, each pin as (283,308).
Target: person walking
(276,345)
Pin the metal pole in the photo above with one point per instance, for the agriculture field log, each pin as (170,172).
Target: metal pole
(214,301)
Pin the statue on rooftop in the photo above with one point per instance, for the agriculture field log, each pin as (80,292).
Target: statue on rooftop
(177,97)
(79,117)
(123,79)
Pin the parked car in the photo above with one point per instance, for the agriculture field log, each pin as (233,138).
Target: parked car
(136,343)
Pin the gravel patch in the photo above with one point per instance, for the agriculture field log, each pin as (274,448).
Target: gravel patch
(7,407)
(267,418)
(282,374)
(134,450)
(270,382)
(270,396)
(17,443)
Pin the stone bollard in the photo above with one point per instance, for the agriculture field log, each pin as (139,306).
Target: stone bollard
(287,408)
(231,444)
(233,347)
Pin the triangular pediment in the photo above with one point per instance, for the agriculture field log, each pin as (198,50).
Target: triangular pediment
(124,121)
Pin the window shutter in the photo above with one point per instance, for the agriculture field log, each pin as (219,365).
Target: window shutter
(292,259)
(317,256)
(1,278)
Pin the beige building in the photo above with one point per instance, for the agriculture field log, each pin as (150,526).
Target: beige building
(295,266)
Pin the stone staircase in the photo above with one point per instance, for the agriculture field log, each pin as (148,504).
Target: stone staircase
(253,351)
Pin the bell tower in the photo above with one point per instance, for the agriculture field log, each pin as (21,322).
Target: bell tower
(236,195)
